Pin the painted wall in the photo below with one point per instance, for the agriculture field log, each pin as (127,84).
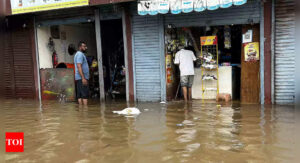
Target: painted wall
(74,34)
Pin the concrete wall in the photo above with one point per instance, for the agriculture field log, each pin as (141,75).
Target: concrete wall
(74,34)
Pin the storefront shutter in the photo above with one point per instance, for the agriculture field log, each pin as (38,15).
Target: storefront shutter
(23,64)
(245,14)
(17,67)
(285,28)
(147,57)
(7,67)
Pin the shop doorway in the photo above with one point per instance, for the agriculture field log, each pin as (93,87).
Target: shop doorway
(114,72)
(57,45)
(233,76)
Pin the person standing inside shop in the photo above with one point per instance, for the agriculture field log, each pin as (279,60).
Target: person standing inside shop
(185,59)
(82,74)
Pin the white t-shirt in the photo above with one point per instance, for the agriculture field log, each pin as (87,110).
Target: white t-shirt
(185,59)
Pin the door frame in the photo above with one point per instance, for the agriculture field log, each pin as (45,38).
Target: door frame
(37,24)
(111,16)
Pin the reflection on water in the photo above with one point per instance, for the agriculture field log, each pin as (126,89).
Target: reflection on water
(173,132)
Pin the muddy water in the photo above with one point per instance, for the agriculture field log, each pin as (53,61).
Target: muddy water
(172,132)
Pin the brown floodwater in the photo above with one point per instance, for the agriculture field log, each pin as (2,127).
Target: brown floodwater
(173,132)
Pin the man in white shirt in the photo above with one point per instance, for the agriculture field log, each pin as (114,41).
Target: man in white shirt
(185,58)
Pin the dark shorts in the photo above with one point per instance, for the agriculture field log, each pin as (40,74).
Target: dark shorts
(187,81)
(82,91)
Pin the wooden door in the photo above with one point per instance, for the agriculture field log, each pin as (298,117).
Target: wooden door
(250,72)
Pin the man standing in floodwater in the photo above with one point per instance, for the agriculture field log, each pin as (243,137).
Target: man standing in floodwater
(185,58)
(82,74)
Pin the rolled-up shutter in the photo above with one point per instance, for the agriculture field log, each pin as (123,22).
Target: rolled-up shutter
(147,57)
(285,28)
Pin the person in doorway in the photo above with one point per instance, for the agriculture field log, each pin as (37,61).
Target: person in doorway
(81,74)
(185,59)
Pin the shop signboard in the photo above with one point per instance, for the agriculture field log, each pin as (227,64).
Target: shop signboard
(239,2)
(187,6)
(200,5)
(153,7)
(143,7)
(163,6)
(251,51)
(213,4)
(26,6)
(175,6)
(225,3)
(209,40)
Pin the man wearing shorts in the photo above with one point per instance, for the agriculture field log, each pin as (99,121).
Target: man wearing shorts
(81,74)
(185,58)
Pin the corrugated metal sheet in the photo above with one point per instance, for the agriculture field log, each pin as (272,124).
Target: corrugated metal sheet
(147,57)
(245,14)
(18,63)
(23,64)
(8,73)
(285,29)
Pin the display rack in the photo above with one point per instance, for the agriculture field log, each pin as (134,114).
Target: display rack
(209,67)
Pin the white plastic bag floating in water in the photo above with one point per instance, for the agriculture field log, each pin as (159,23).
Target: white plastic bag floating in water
(163,6)
(187,6)
(143,7)
(213,4)
(128,111)
(225,3)
(175,6)
(199,5)
(239,2)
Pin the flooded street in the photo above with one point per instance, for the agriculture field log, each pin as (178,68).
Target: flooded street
(172,132)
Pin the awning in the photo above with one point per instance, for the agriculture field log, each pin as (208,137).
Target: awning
(153,7)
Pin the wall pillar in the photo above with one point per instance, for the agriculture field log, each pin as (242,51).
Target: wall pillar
(129,53)
(267,51)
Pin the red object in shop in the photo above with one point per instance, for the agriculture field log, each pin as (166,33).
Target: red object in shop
(71,65)
(54,59)
(66,65)
(169,76)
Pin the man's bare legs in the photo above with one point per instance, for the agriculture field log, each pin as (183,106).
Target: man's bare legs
(184,90)
(85,102)
(190,94)
(80,101)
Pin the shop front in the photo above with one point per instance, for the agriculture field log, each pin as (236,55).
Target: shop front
(229,66)
(43,38)
(57,42)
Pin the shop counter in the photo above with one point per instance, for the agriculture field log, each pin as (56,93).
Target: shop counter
(57,84)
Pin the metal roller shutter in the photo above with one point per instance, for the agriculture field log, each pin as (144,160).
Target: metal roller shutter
(23,64)
(285,29)
(17,65)
(8,73)
(147,57)
(245,14)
